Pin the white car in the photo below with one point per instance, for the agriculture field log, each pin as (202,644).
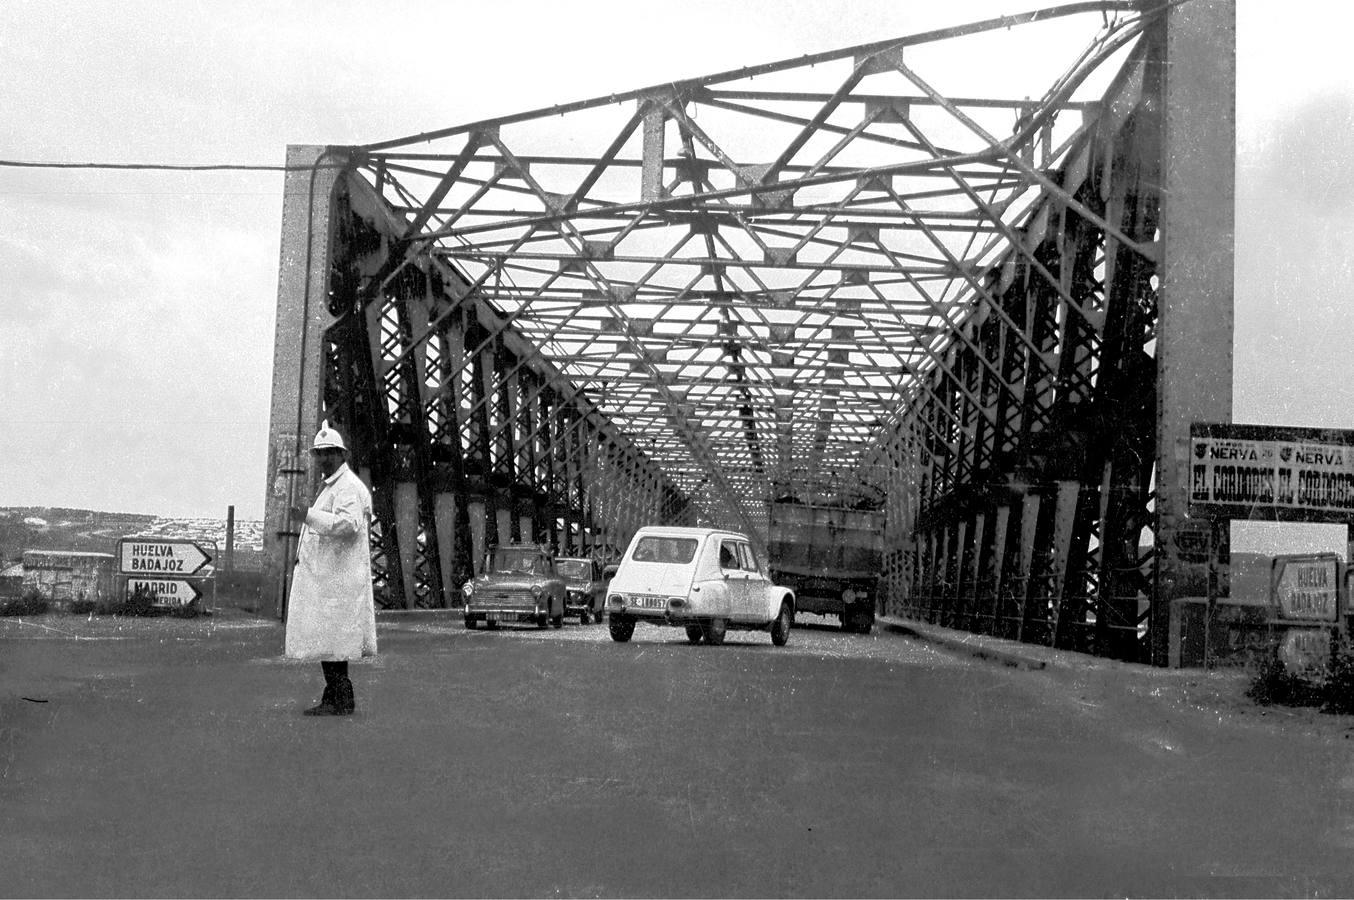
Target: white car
(703,579)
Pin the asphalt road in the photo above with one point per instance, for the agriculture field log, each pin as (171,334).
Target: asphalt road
(169,758)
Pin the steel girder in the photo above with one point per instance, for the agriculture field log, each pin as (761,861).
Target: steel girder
(825,277)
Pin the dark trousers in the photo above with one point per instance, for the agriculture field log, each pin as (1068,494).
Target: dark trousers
(338,690)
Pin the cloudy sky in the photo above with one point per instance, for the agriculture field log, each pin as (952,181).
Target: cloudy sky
(136,309)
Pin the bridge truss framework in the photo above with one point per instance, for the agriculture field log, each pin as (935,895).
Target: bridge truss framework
(829,278)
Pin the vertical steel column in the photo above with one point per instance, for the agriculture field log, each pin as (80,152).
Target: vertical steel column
(1000,527)
(1066,495)
(975,574)
(406,530)
(1195,324)
(958,585)
(303,317)
(482,365)
(1024,578)
(479,540)
(510,387)
(446,509)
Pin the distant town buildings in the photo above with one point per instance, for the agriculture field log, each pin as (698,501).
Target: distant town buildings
(85,531)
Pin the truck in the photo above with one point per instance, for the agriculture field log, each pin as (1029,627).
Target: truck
(830,556)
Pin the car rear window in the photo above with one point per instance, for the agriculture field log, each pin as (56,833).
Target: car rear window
(573,568)
(665,550)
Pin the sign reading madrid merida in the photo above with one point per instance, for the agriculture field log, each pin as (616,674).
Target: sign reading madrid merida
(1295,474)
(166,591)
(160,556)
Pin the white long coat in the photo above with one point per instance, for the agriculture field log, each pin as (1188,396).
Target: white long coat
(330,613)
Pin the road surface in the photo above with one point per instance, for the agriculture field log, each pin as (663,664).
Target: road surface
(169,758)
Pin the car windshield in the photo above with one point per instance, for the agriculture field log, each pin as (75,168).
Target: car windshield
(573,568)
(524,561)
(665,550)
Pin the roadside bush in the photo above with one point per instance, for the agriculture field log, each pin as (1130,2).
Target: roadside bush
(1273,685)
(109,606)
(187,611)
(30,603)
(139,603)
(1339,688)
(83,606)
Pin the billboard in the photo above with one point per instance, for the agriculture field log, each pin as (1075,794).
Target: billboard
(1273,473)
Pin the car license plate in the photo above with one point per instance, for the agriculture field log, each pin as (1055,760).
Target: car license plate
(498,617)
(652,602)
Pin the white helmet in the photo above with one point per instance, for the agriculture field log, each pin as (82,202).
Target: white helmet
(327,438)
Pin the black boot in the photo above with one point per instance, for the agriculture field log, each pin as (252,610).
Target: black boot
(329,705)
(343,698)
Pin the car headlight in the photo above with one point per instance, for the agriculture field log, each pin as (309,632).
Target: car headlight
(617,600)
(468,588)
(536,591)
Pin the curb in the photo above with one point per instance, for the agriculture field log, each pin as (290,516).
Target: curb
(419,615)
(973,645)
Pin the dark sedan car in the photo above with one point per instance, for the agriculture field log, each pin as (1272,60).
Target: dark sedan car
(586,597)
(518,584)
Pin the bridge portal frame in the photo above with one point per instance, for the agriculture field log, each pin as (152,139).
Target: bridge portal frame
(1025,458)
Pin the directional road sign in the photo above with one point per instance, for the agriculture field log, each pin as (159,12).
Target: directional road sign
(1306,652)
(160,556)
(1305,587)
(167,591)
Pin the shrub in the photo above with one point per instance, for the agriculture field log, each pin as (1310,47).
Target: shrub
(83,605)
(1339,687)
(30,603)
(187,611)
(1273,685)
(110,606)
(1270,682)
(140,603)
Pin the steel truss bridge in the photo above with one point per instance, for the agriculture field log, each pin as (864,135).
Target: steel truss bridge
(855,277)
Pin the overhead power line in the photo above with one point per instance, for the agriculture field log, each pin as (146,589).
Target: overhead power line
(173,167)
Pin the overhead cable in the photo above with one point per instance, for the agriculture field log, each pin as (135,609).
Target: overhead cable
(173,167)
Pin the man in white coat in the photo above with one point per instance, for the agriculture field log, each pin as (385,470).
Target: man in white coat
(331,616)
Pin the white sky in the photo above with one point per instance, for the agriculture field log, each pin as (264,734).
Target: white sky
(136,310)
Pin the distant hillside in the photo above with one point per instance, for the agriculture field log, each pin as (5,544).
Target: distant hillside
(58,528)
